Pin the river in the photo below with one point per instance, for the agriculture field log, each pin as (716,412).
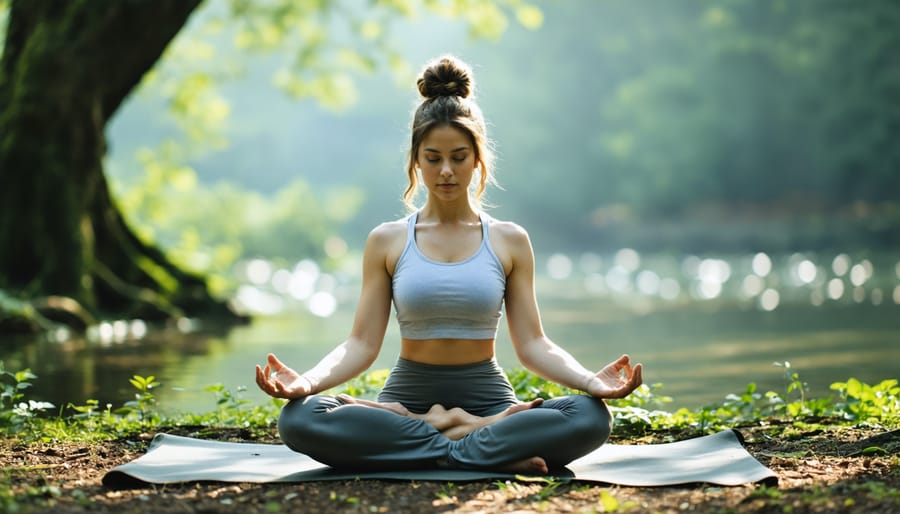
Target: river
(700,326)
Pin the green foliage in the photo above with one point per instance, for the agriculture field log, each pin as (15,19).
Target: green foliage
(641,409)
(322,48)
(233,410)
(4,18)
(797,63)
(872,403)
(529,386)
(639,413)
(17,414)
(9,304)
(365,385)
(169,206)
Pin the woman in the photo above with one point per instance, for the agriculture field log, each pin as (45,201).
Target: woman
(448,268)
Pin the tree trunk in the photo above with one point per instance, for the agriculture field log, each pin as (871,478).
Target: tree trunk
(66,68)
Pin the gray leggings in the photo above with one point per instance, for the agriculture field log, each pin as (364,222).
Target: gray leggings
(365,438)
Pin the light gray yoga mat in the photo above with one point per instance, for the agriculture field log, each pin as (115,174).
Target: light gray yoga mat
(716,459)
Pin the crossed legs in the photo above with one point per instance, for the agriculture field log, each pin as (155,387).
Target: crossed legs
(525,438)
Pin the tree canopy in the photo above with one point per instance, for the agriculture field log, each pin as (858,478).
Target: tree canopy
(624,122)
(740,113)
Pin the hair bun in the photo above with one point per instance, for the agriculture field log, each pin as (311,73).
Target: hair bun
(446,76)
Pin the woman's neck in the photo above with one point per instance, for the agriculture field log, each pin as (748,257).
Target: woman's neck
(461,212)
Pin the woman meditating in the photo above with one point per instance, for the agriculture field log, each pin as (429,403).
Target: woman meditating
(448,268)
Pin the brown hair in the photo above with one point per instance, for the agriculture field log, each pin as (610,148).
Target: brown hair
(447,86)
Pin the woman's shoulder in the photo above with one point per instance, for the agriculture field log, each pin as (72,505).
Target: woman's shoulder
(388,233)
(507,230)
(509,235)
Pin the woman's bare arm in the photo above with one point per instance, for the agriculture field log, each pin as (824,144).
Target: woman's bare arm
(534,349)
(360,349)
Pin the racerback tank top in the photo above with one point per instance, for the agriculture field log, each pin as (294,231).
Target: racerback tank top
(448,300)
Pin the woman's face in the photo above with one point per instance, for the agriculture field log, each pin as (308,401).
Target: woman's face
(446,159)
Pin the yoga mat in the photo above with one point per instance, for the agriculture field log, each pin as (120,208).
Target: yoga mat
(716,459)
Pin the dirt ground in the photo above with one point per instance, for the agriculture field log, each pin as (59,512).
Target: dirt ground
(851,470)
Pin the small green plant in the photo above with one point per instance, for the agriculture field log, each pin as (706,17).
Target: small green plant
(641,410)
(16,413)
(234,410)
(343,498)
(447,492)
(144,403)
(549,488)
(610,503)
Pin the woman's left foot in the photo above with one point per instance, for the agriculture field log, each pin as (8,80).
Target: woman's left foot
(457,423)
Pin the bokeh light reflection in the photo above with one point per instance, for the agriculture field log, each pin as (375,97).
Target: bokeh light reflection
(648,282)
(841,264)
(769,300)
(806,271)
(322,304)
(714,270)
(752,285)
(618,279)
(835,288)
(761,264)
(559,266)
(877,296)
(258,271)
(858,275)
(629,259)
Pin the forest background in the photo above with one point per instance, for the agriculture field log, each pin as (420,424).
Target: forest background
(661,126)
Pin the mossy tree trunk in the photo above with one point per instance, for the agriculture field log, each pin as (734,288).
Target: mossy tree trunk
(67,66)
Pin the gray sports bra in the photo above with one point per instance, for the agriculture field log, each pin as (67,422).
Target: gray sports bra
(448,300)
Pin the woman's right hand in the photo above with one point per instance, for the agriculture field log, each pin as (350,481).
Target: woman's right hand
(280,381)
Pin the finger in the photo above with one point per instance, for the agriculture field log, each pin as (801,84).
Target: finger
(624,371)
(638,374)
(274,362)
(262,377)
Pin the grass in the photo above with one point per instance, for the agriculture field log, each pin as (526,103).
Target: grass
(641,412)
(790,414)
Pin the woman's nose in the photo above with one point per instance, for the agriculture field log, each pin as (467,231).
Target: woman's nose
(445,168)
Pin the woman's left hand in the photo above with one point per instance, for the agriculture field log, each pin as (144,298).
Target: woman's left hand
(280,381)
(616,380)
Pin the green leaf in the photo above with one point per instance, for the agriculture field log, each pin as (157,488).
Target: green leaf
(874,450)
(530,17)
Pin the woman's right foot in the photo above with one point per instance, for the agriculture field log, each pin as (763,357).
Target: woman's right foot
(530,466)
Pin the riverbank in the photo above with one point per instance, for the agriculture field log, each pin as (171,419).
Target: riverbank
(822,467)
(835,454)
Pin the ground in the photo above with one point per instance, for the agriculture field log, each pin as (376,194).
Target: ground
(821,468)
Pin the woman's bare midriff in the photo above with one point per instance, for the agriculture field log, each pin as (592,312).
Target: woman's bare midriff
(447,352)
